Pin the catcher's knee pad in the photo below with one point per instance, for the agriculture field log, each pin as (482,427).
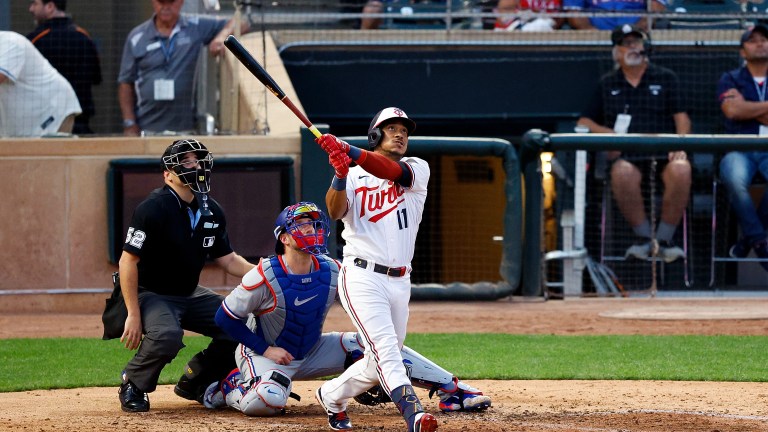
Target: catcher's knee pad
(268,396)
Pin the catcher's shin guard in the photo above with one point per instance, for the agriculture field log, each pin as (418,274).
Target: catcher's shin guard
(210,364)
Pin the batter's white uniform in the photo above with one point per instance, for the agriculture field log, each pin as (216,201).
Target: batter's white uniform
(380,227)
(36,98)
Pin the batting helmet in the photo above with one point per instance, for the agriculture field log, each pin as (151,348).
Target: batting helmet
(314,242)
(381,118)
(197,176)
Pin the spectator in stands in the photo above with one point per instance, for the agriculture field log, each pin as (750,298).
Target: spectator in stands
(372,7)
(70,50)
(742,99)
(35,99)
(155,85)
(519,15)
(640,97)
(611,22)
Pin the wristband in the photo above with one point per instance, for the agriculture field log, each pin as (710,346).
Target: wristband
(129,123)
(354,153)
(339,184)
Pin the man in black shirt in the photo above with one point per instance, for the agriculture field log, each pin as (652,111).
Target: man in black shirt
(70,51)
(640,97)
(172,233)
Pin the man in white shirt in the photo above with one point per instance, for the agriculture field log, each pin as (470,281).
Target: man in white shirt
(35,100)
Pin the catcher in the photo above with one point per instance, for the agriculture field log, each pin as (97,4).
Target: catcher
(285,300)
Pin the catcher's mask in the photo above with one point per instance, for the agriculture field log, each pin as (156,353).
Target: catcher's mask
(374,130)
(313,241)
(195,175)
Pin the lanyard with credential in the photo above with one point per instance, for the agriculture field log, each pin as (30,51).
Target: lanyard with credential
(761,90)
(168,50)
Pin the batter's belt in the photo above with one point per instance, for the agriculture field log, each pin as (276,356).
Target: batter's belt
(378,268)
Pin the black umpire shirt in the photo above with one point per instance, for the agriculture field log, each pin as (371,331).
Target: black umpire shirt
(171,253)
(651,104)
(71,51)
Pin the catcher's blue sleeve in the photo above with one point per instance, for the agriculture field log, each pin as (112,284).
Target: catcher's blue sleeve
(240,332)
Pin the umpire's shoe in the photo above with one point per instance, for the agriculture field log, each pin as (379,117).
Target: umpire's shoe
(337,421)
(132,399)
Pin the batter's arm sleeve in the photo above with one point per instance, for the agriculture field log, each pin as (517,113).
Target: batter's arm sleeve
(236,328)
(382,167)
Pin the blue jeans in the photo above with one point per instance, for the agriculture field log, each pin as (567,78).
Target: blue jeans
(737,170)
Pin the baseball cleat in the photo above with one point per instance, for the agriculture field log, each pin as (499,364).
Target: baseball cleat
(460,401)
(425,422)
(337,421)
(463,398)
(132,399)
(213,397)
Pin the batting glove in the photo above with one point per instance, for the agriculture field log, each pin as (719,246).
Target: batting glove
(329,143)
(340,162)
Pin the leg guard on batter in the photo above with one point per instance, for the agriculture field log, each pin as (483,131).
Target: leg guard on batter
(409,406)
(424,373)
(265,397)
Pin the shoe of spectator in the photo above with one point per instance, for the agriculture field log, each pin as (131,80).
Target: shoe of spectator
(761,250)
(740,249)
(640,250)
(669,252)
(132,399)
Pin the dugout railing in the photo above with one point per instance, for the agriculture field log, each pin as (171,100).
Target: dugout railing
(535,142)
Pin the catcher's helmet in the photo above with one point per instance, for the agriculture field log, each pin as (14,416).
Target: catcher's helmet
(381,118)
(314,242)
(197,176)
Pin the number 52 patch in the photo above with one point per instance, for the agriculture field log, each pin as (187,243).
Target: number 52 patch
(135,237)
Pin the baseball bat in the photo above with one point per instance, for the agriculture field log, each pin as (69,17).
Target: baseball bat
(262,75)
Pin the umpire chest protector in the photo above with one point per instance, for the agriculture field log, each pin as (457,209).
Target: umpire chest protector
(302,302)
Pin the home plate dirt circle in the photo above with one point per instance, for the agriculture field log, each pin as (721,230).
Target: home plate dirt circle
(692,312)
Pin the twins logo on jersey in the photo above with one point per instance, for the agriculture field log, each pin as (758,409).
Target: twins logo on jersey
(379,200)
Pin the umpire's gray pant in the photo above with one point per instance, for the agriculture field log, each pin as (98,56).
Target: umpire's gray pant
(164,319)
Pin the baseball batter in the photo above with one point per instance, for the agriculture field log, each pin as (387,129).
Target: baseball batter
(285,300)
(380,201)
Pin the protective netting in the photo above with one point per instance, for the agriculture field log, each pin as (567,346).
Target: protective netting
(695,39)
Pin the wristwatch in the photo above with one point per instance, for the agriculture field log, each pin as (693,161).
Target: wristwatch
(128,123)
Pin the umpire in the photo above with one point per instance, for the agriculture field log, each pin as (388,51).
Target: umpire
(172,233)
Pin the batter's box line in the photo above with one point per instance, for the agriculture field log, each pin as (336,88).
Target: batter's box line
(696,413)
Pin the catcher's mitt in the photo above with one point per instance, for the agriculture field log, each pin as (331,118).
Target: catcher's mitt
(374,396)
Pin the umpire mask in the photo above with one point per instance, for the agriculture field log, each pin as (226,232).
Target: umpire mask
(196,175)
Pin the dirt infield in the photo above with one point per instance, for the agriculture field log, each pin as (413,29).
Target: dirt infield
(517,405)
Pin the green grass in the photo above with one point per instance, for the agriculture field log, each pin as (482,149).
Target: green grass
(27,364)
